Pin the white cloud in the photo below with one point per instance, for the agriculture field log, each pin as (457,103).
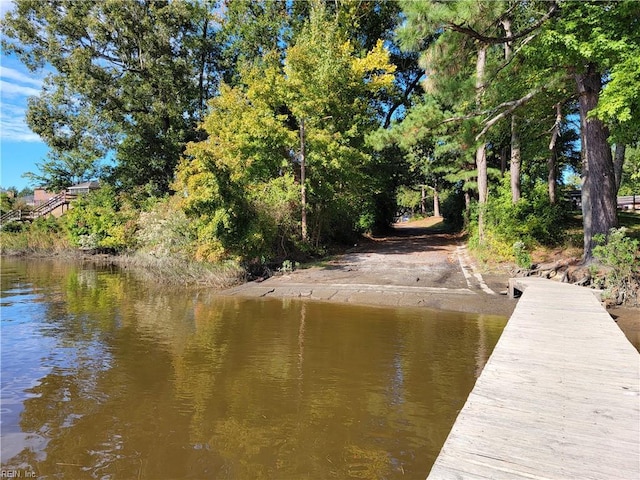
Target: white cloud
(20,77)
(16,84)
(12,90)
(13,126)
(5,6)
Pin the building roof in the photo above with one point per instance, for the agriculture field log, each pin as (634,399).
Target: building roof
(85,185)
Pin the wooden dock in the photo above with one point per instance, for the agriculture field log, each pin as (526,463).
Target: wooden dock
(558,399)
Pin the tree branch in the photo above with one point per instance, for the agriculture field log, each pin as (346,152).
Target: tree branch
(466,30)
(405,96)
(556,126)
(512,106)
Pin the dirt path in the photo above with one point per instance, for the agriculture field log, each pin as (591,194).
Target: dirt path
(411,267)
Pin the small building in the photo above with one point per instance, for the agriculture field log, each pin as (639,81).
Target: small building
(40,196)
(8,193)
(83,188)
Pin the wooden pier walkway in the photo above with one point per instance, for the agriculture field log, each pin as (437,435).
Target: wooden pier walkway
(558,399)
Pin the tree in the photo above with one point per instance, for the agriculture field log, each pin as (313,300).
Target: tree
(630,181)
(138,69)
(77,140)
(464,28)
(596,42)
(254,145)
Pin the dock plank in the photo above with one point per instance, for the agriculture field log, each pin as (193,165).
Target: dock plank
(558,399)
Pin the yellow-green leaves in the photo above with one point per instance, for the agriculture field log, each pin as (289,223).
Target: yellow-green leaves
(375,68)
(242,182)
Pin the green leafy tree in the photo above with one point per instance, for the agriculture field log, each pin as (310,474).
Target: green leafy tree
(631,173)
(489,33)
(133,70)
(597,43)
(6,202)
(243,181)
(76,138)
(101,219)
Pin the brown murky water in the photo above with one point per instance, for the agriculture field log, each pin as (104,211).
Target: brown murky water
(105,376)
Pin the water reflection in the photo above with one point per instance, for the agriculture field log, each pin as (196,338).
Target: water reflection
(104,376)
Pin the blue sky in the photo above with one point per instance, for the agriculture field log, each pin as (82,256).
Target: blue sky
(20,148)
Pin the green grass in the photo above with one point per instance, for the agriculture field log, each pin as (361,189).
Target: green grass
(631,221)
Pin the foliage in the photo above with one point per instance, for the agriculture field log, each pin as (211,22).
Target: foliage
(76,138)
(242,183)
(408,198)
(630,184)
(452,208)
(532,221)
(522,256)
(6,203)
(126,70)
(101,220)
(165,231)
(44,235)
(622,255)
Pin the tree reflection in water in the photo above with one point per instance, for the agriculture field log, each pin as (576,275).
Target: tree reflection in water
(134,381)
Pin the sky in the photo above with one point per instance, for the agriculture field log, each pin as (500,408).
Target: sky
(20,148)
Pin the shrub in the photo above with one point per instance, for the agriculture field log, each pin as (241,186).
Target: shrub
(165,231)
(531,221)
(101,219)
(523,258)
(452,208)
(621,255)
(42,236)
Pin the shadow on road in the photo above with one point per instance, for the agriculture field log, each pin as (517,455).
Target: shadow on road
(429,234)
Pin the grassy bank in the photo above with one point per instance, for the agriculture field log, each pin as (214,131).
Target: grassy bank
(36,240)
(166,270)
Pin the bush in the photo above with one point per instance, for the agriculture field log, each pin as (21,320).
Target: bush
(452,208)
(621,255)
(101,219)
(523,258)
(43,235)
(165,231)
(530,222)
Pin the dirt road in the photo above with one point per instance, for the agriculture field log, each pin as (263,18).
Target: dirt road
(412,267)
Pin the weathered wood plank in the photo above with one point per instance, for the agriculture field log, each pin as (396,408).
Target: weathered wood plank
(559,397)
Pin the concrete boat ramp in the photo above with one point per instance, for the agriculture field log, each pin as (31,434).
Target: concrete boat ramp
(558,399)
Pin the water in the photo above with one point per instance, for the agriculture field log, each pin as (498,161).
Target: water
(106,376)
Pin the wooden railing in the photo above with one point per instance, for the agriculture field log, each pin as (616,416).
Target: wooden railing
(41,210)
(11,216)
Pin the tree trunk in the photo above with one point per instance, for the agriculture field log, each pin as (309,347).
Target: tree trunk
(436,203)
(515,136)
(423,197)
(618,163)
(467,209)
(599,186)
(552,176)
(515,160)
(552,163)
(303,188)
(203,65)
(481,152)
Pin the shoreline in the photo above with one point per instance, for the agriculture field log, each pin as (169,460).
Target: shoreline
(411,268)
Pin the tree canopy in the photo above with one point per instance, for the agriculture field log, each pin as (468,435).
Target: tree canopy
(282,126)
